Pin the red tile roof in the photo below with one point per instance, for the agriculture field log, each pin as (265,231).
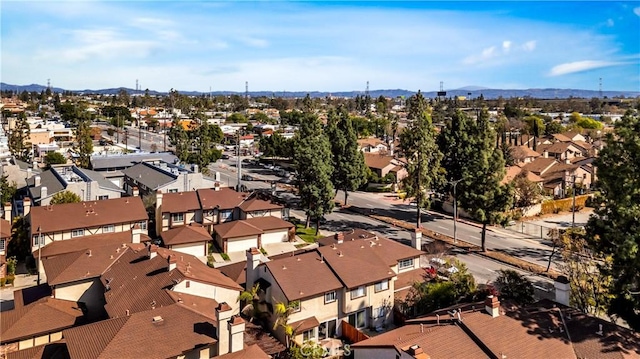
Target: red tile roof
(53,350)
(225,198)
(235,229)
(44,316)
(304,324)
(5,228)
(292,276)
(68,216)
(268,223)
(192,233)
(256,334)
(256,204)
(180,202)
(159,333)
(82,243)
(250,352)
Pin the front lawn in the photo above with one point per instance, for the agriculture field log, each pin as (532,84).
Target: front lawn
(306,234)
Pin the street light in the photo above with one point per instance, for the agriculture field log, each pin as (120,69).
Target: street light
(455,210)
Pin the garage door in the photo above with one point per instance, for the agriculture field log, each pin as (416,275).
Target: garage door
(241,245)
(274,237)
(193,249)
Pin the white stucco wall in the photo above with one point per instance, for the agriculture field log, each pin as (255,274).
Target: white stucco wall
(207,290)
(196,249)
(275,236)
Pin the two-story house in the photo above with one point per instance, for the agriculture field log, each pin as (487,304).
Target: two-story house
(164,177)
(71,220)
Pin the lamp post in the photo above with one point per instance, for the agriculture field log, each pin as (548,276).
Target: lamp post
(455,210)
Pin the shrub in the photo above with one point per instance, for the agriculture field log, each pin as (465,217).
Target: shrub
(11,266)
(3,282)
(225,256)
(513,285)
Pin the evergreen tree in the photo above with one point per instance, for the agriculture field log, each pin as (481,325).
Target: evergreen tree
(418,141)
(179,138)
(18,139)
(313,163)
(65,197)
(614,230)
(482,171)
(84,143)
(349,169)
(7,190)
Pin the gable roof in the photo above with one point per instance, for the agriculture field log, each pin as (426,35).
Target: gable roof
(83,243)
(256,204)
(235,229)
(540,165)
(370,141)
(41,317)
(5,228)
(514,171)
(378,161)
(175,331)
(236,271)
(352,234)
(250,352)
(128,160)
(53,350)
(180,202)
(47,179)
(349,258)
(224,198)
(268,223)
(527,152)
(149,175)
(292,276)
(68,216)
(192,233)
(561,137)
(256,334)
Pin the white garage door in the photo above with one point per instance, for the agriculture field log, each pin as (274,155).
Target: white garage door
(193,249)
(241,245)
(278,236)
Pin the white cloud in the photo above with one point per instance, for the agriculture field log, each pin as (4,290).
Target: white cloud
(506,46)
(636,10)
(254,42)
(485,55)
(580,66)
(529,46)
(610,22)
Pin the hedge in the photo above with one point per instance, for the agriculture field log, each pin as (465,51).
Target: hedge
(564,205)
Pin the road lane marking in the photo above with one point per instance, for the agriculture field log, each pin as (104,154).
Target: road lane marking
(441,227)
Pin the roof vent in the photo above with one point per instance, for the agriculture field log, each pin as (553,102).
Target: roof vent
(298,259)
(284,267)
(157,319)
(340,254)
(89,253)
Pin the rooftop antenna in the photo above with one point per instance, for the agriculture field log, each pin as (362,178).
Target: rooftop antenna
(246,90)
(137,86)
(49,84)
(366,93)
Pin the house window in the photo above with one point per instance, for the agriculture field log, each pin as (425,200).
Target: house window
(383,285)
(77,233)
(327,329)
(1,244)
(187,284)
(226,215)
(308,335)
(177,217)
(357,292)
(379,312)
(258,213)
(405,263)
(35,240)
(143,224)
(100,198)
(173,190)
(358,319)
(330,297)
(295,306)
(109,229)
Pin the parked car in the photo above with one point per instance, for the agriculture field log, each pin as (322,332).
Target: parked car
(247,178)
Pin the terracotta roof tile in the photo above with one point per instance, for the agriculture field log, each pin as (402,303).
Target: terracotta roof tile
(5,228)
(292,275)
(255,334)
(192,233)
(540,165)
(236,271)
(388,250)
(236,229)
(68,216)
(250,352)
(377,161)
(180,202)
(201,305)
(225,198)
(256,204)
(41,317)
(53,350)
(268,223)
(139,336)
(304,324)
(82,243)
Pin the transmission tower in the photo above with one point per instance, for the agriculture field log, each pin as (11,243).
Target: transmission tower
(366,92)
(49,84)
(246,90)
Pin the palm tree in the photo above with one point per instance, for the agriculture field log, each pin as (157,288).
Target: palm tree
(283,311)
(251,298)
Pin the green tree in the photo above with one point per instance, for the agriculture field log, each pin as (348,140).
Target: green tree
(349,169)
(18,139)
(457,145)
(237,118)
(575,117)
(54,158)
(312,158)
(589,123)
(283,312)
(7,190)
(527,193)
(20,244)
(418,141)
(553,127)
(83,146)
(179,138)
(482,171)
(205,137)
(65,197)
(513,285)
(613,232)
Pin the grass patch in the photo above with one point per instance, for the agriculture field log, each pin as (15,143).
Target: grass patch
(301,245)
(306,234)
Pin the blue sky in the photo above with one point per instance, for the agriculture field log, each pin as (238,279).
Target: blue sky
(325,46)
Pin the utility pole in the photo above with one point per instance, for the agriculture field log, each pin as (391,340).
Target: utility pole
(39,252)
(239,164)
(139,133)
(573,208)
(455,210)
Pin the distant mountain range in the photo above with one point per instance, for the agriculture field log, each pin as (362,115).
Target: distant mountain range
(475,91)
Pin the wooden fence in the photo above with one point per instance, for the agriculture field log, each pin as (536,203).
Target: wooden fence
(351,333)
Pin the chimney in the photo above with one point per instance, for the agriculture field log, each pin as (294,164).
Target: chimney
(416,239)
(216,186)
(563,290)
(567,161)
(415,351)
(26,204)
(223,314)
(172,261)
(492,306)
(545,154)
(34,165)
(217,176)
(158,215)
(7,211)
(29,173)
(236,334)
(37,181)
(136,231)
(253,261)
(339,237)
(44,191)
(135,192)
(153,251)
(195,169)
